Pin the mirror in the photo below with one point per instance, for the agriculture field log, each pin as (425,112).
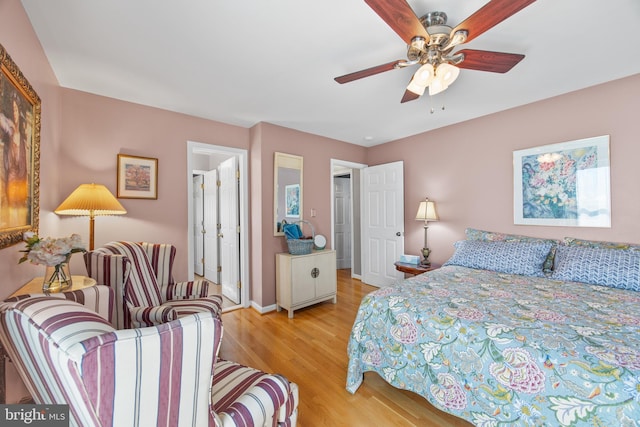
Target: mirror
(287,190)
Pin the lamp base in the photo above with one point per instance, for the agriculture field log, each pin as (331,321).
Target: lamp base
(424,262)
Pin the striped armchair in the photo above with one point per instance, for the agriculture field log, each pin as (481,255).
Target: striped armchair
(146,293)
(160,375)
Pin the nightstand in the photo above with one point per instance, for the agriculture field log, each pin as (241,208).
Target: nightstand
(414,269)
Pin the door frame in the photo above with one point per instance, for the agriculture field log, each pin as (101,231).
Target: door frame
(211,259)
(228,220)
(195,233)
(351,165)
(194,147)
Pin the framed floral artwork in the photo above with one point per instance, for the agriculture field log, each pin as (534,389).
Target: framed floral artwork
(20,145)
(137,177)
(565,184)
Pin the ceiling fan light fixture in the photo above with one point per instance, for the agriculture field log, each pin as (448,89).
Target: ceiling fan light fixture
(424,75)
(421,79)
(416,88)
(447,73)
(437,86)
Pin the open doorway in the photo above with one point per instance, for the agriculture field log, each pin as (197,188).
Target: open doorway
(218,219)
(345,215)
(376,214)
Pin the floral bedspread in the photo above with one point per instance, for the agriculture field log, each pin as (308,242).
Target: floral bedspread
(500,349)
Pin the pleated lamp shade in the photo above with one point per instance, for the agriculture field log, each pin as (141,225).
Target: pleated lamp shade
(91,200)
(427,211)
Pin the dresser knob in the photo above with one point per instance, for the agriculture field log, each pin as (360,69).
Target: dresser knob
(315,272)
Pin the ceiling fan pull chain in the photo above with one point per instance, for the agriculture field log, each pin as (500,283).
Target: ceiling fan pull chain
(431,109)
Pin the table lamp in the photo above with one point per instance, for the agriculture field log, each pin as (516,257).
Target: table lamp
(426,212)
(91,200)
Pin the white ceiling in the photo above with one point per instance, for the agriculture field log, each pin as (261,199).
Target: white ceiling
(247,61)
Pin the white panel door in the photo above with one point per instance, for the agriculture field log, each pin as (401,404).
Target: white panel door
(229,230)
(382,223)
(210,226)
(198,225)
(342,221)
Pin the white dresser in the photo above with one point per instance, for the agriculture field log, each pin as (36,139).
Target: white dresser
(303,280)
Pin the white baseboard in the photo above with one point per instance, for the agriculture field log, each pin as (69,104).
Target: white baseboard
(263,310)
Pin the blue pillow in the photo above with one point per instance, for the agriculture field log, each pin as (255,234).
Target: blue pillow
(598,266)
(524,258)
(494,236)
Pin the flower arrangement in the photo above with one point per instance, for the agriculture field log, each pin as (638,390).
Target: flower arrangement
(49,251)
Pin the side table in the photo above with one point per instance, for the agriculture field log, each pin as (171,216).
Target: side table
(34,286)
(414,269)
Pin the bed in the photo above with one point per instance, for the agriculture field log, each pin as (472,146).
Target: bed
(501,335)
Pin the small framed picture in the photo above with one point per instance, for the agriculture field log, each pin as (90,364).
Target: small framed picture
(292,200)
(137,177)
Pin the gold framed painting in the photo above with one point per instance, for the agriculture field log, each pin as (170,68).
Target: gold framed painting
(20,145)
(137,177)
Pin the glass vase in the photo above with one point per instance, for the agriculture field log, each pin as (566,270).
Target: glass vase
(57,278)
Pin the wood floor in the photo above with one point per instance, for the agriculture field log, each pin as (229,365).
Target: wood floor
(311,350)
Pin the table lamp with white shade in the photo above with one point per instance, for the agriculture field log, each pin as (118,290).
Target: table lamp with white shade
(426,212)
(91,200)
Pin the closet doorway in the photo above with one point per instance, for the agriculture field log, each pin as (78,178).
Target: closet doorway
(345,215)
(217,219)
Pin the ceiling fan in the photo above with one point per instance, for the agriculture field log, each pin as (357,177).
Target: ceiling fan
(430,43)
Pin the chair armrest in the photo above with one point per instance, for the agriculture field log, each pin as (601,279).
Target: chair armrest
(211,304)
(187,290)
(111,270)
(150,316)
(98,298)
(261,402)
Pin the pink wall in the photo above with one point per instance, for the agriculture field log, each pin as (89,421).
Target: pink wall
(317,152)
(19,40)
(95,129)
(468,168)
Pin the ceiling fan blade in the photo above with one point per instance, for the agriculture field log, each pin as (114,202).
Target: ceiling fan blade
(368,72)
(484,60)
(490,15)
(409,96)
(400,17)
